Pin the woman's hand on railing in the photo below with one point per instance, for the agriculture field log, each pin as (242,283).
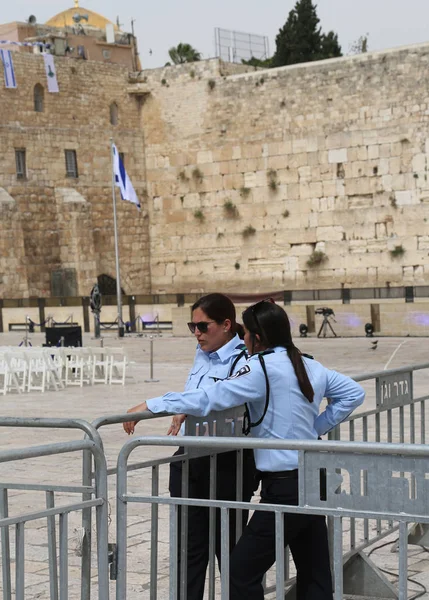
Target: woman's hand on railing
(176,424)
(129,426)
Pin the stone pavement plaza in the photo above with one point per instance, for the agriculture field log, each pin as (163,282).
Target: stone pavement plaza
(172,359)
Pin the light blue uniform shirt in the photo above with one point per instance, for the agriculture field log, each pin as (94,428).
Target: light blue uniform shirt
(210,367)
(289,416)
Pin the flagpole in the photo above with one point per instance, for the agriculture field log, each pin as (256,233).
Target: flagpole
(115,224)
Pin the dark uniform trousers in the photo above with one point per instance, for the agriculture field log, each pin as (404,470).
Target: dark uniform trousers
(198,517)
(306,536)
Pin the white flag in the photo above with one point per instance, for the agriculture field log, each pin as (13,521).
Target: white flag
(9,73)
(122,180)
(51,73)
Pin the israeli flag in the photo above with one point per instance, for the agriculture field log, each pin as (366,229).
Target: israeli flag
(9,73)
(122,180)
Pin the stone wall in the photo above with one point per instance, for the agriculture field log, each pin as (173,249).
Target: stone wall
(51,222)
(303,177)
(252,176)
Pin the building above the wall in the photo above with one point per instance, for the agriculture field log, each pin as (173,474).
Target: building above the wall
(77,33)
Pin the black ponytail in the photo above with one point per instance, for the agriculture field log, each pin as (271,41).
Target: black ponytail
(271,323)
(300,372)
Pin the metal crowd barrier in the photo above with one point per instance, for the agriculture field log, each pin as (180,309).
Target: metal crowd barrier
(99,502)
(394,394)
(94,495)
(391,471)
(399,416)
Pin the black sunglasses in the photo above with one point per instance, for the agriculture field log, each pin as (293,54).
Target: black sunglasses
(202,326)
(254,308)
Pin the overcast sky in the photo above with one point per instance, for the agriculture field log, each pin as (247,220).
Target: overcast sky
(160,24)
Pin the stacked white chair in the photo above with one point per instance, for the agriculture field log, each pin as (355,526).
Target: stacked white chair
(78,366)
(118,366)
(42,371)
(28,369)
(9,374)
(19,365)
(101,359)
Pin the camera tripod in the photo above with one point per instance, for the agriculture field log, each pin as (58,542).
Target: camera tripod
(324,327)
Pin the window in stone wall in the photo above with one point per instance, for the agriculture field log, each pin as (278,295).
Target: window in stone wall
(71,164)
(21,166)
(39,98)
(114,113)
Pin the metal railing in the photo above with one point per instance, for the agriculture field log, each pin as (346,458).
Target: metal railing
(385,497)
(96,498)
(393,391)
(398,416)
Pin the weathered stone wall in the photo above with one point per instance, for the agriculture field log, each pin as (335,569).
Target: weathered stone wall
(51,222)
(250,174)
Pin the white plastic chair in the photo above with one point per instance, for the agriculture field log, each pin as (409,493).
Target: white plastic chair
(37,371)
(4,374)
(101,359)
(54,369)
(118,365)
(18,366)
(9,375)
(78,366)
(59,358)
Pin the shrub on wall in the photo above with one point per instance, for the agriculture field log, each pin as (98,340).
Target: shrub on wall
(199,215)
(272,180)
(230,209)
(316,259)
(248,231)
(197,175)
(397,251)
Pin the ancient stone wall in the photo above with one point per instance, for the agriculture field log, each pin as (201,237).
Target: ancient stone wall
(49,221)
(303,177)
(310,176)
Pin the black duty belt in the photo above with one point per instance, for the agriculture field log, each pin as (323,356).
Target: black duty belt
(278,474)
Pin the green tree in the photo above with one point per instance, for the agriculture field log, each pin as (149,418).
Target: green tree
(330,48)
(183,53)
(301,40)
(258,62)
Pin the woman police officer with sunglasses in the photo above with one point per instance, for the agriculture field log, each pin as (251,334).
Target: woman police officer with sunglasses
(220,353)
(285,387)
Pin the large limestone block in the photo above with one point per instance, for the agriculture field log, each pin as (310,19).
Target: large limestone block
(68,195)
(407,197)
(204,156)
(5,197)
(339,155)
(335,233)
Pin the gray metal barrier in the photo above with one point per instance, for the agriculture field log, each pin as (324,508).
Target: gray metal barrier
(94,495)
(391,471)
(398,416)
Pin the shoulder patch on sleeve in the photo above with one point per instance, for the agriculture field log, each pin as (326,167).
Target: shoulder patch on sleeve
(243,371)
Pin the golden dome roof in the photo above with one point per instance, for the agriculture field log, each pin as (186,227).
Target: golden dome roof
(65,18)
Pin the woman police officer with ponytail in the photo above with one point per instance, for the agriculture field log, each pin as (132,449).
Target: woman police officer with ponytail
(286,388)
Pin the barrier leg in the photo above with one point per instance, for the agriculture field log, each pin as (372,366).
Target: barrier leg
(86,530)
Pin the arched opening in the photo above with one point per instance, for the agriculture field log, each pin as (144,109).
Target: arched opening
(114,113)
(107,285)
(39,98)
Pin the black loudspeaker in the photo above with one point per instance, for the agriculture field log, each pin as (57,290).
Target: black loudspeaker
(72,336)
